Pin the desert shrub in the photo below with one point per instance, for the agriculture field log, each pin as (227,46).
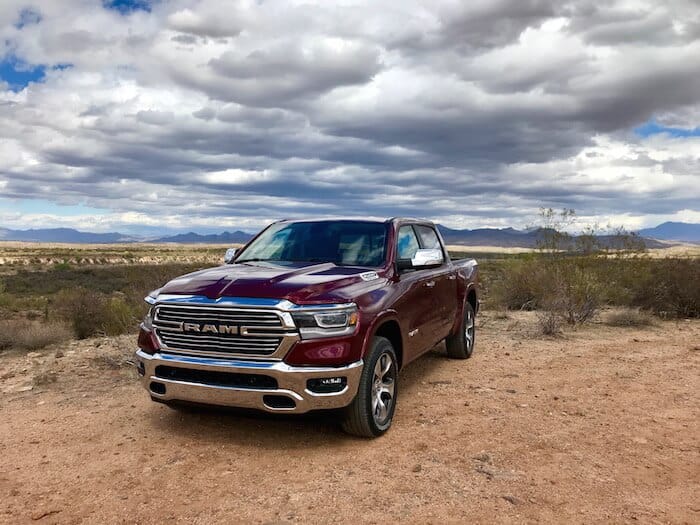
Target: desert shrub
(83,309)
(91,313)
(92,300)
(106,280)
(62,266)
(673,288)
(24,334)
(576,294)
(628,317)
(577,286)
(519,284)
(118,316)
(565,285)
(549,322)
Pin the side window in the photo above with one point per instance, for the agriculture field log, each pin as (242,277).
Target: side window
(408,243)
(428,237)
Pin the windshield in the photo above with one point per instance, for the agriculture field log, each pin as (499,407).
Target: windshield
(347,243)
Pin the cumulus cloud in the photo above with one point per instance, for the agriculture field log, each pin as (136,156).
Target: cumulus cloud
(209,113)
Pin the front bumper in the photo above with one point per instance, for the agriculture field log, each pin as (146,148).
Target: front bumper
(289,395)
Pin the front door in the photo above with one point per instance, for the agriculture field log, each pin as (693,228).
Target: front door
(416,304)
(443,283)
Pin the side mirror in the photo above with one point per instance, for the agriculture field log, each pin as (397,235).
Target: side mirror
(422,259)
(427,258)
(230,255)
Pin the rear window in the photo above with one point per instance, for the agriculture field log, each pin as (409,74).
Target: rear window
(428,237)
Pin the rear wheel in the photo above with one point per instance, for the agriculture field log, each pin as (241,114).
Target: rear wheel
(371,412)
(461,344)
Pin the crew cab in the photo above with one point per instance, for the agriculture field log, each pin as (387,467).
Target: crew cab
(310,315)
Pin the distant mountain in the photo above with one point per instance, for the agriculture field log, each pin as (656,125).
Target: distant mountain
(505,237)
(67,235)
(674,231)
(511,238)
(237,237)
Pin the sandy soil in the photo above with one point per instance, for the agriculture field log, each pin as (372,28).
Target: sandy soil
(601,425)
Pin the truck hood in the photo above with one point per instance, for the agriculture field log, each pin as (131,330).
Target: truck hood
(300,283)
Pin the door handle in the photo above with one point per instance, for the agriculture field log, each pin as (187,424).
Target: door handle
(451,277)
(430,284)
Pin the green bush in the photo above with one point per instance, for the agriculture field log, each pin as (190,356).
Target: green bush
(84,309)
(91,313)
(672,289)
(576,286)
(576,293)
(118,316)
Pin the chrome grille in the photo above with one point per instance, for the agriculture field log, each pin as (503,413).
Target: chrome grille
(188,329)
(218,314)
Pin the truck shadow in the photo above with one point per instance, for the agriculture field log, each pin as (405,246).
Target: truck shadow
(219,425)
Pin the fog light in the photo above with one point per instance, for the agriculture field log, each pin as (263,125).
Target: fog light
(326,385)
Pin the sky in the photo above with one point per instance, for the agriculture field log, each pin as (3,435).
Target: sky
(178,115)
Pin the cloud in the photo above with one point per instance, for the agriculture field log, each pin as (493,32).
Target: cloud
(186,113)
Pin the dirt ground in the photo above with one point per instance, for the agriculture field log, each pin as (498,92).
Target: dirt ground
(600,425)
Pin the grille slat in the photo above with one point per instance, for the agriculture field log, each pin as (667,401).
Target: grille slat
(227,339)
(178,338)
(217,314)
(266,332)
(231,319)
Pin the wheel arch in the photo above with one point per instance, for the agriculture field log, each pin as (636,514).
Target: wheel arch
(387,325)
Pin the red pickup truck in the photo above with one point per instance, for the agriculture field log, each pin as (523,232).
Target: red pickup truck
(310,314)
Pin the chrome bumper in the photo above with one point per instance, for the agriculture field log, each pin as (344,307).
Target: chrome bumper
(291,383)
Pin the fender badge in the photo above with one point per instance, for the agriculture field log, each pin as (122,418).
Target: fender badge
(369,276)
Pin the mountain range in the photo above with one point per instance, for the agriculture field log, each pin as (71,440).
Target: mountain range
(506,237)
(674,231)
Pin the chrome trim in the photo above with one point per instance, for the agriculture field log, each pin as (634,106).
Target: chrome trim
(252,342)
(283,308)
(286,321)
(291,381)
(245,302)
(323,333)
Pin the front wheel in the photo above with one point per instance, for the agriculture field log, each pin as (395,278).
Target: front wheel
(461,344)
(371,412)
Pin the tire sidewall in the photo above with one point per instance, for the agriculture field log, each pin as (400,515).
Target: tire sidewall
(468,348)
(380,347)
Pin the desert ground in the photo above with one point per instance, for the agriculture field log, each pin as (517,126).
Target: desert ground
(601,424)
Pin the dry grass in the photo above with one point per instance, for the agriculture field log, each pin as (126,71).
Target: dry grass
(460,248)
(23,334)
(549,322)
(628,317)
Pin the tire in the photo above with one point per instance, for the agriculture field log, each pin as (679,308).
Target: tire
(461,344)
(365,417)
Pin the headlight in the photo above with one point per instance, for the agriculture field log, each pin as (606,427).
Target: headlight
(147,323)
(327,322)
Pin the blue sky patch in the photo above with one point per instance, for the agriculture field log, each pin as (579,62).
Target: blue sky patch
(128,6)
(653,128)
(18,74)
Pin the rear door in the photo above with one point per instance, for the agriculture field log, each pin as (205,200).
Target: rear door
(443,288)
